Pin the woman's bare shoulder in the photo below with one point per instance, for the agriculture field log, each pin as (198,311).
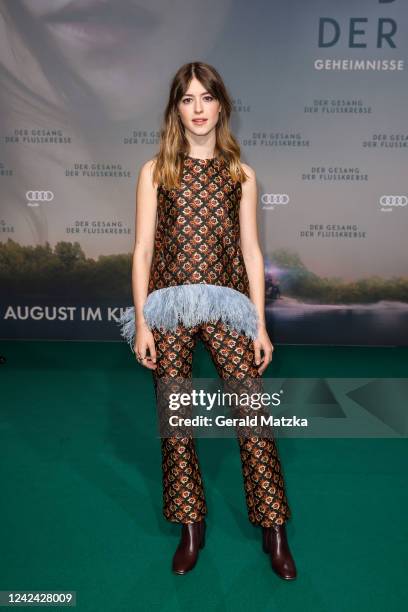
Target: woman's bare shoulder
(149,165)
(147,169)
(249,171)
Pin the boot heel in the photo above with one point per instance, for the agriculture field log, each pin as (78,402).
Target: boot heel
(202,543)
(265,549)
(265,542)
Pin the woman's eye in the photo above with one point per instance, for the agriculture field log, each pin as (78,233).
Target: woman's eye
(206,98)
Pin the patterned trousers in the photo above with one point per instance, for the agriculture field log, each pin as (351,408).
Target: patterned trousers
(183,492)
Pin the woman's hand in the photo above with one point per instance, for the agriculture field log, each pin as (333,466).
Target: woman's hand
(144,340)
(263,343)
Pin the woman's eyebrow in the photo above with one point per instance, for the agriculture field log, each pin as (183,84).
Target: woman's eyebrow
(192,95)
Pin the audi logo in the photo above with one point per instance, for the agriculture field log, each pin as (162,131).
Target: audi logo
(275,198)
(393,200)
(40,196)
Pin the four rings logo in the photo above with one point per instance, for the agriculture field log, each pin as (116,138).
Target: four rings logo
(388,202)
(35,197)
(274,199)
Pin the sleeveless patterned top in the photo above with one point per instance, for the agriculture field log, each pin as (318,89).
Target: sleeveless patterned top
(198,272)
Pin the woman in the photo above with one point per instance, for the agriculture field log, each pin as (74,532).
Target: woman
(199,273)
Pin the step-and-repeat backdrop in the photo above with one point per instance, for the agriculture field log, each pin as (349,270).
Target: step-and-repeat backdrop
(319,91)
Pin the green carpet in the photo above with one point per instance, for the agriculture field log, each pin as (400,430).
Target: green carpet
(81,492)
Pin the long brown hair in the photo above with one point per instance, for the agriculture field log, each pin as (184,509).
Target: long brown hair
(173,142)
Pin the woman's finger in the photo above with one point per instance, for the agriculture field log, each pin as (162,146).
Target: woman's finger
(152,350)
(257,352)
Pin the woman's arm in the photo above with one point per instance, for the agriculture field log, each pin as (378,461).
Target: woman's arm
(146,209)
(251,250)
(254,263)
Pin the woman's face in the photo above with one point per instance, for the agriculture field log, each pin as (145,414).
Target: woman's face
(199,110)
(122,49)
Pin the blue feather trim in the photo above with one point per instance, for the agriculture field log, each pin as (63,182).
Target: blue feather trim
(192,304)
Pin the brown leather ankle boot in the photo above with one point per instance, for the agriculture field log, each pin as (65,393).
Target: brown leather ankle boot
(191,540)
(274,542)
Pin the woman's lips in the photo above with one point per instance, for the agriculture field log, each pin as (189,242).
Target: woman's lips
(94,34)
(199,121)
(98,23)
